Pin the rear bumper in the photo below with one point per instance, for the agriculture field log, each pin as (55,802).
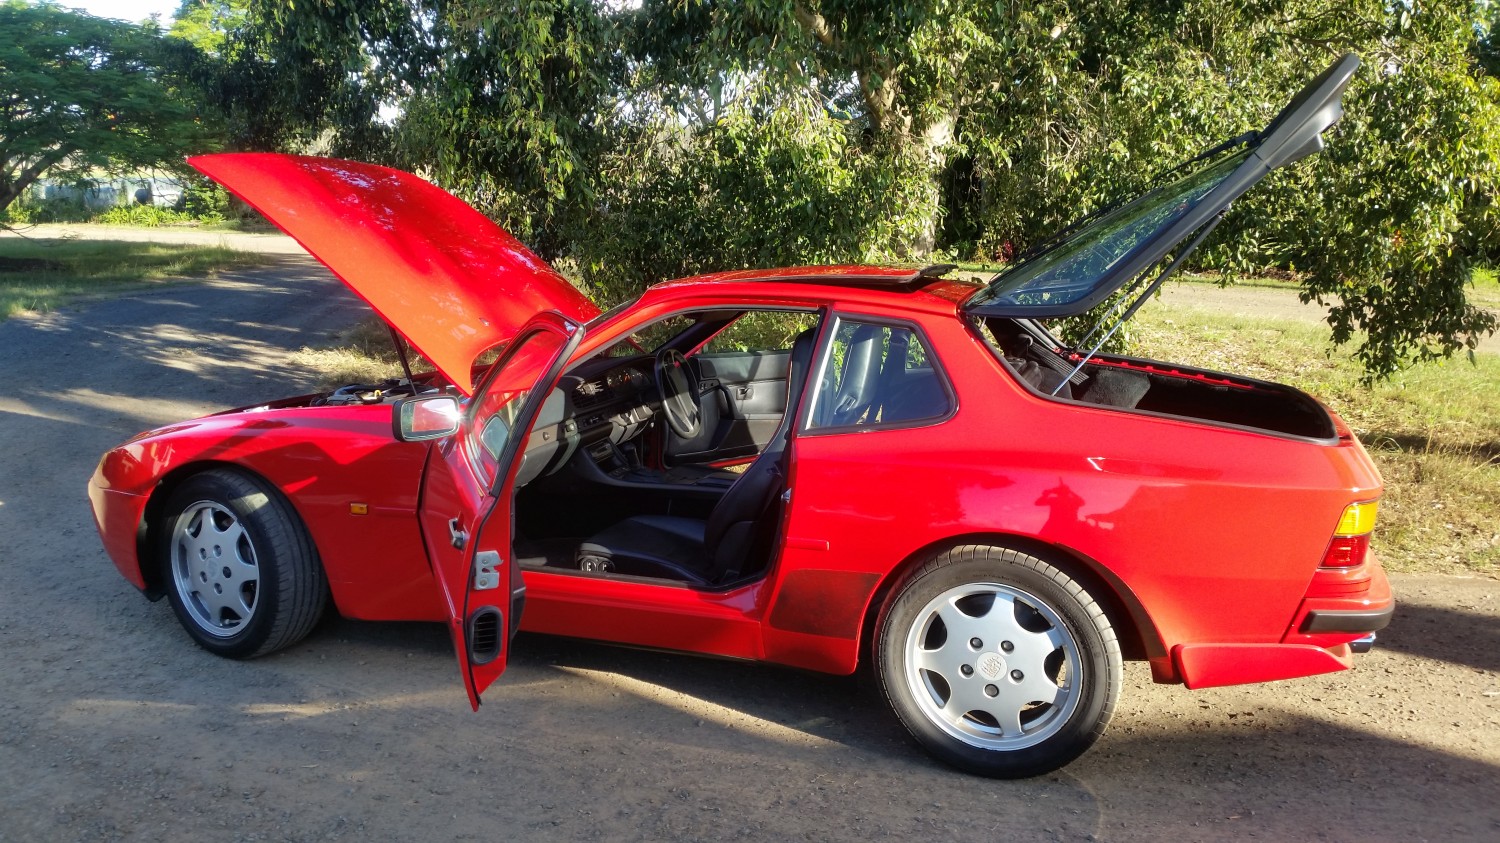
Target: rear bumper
(1348,620)
(1213,665)
(1343,605)
(1336,620)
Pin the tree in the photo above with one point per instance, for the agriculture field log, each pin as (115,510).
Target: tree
(274,90)
(691,135)
(1384,227)
(80,93)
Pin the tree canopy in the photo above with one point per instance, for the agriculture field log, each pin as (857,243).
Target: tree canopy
(638,142)
(80,93)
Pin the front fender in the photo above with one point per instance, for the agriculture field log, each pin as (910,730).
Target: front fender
(353,485)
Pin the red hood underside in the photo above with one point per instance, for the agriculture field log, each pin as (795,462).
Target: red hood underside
(452,282)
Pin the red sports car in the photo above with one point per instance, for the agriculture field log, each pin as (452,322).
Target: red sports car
(814,466)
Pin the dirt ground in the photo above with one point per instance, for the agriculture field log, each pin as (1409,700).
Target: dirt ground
(113,726)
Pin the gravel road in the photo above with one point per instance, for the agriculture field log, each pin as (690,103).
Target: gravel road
(113,726)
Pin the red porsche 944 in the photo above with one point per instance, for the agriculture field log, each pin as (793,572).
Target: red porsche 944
(813,466)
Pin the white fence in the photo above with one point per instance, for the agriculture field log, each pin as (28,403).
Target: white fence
(164,192)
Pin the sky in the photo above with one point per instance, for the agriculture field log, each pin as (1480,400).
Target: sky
(134,11)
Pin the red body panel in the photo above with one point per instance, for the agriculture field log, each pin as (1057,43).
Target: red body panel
(646,615)
(1212,665)
(1209,535)
(448,278)
(324,459)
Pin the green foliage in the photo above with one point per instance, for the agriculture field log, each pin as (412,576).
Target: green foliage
(274,87)
(687,136)
(210,25)
(202,202)
(47,210)
(1413,200)
(517,112)
(1384,227)
(765,185)
(80,94)
(147,216)
(764,330)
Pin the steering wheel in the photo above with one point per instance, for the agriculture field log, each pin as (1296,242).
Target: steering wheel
(674,383)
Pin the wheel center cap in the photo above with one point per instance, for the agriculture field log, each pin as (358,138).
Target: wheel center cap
(990,665)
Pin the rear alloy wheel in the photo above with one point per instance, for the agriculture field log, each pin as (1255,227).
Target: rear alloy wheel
(241,571)
(998,662)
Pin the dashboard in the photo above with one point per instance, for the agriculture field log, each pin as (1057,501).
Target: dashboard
(610,400)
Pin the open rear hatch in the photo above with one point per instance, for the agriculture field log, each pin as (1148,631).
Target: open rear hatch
(1117,247)
(1096,256)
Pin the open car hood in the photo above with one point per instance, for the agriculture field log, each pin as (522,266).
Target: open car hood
(1101,254)
(452,282)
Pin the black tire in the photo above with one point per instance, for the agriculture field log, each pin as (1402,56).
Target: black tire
(239,566)
(986,709)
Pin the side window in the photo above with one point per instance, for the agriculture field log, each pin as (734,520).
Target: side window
(501,396)
(877,375)
(766,330)
(649,338)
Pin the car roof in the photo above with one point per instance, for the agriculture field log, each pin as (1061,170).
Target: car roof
(881,286)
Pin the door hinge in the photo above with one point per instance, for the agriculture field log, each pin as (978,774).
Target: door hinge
(487,565)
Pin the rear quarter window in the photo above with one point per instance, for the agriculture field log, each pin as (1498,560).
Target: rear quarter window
(878,375)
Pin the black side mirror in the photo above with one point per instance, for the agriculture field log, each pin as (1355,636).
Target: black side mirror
(423,417)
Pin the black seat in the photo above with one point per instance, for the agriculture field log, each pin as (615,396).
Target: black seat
(858,379)
(739,530)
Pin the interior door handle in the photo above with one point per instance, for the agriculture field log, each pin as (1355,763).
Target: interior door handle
(456,534)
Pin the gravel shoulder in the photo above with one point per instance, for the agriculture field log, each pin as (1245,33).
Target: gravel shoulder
(113,726)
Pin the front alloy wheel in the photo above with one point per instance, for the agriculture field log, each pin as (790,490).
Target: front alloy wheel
(999,663)
(241,571)
(214,568)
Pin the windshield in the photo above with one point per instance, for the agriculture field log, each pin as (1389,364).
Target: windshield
(1075,268)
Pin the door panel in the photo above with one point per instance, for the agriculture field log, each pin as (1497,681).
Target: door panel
(467,504)
(742,397)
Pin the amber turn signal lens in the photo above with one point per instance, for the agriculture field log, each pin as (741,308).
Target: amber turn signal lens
(1351,541)
(1359,519)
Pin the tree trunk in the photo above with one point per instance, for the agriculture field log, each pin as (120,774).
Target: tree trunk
(933,143)
(13,188)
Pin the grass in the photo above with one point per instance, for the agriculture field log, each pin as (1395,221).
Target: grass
(1486,289)
(364,353)
(38,275)
(1434,431)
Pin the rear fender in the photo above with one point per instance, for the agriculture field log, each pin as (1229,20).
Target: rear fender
(1138,635)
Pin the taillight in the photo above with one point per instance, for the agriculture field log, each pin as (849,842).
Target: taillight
(1351,540)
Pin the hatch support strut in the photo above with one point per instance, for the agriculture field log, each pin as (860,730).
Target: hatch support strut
(1120,318)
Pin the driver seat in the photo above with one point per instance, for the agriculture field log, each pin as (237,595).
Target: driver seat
(739,530)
